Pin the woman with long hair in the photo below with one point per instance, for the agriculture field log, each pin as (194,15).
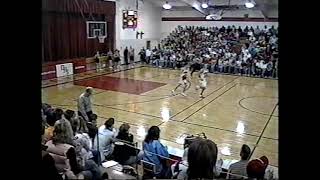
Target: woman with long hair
(155,152)
(64,154)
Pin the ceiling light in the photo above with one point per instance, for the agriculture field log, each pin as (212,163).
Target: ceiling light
(213,17)
(167,6)
(249,4)
(204,5)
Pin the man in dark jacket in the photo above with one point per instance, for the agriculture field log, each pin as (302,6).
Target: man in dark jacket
(124,151)
(125,55)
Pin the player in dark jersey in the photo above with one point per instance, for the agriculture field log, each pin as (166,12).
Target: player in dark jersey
(196,66)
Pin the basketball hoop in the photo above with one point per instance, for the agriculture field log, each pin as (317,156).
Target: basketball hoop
(101,39)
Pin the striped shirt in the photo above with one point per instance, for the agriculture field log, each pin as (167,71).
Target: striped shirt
(239,168)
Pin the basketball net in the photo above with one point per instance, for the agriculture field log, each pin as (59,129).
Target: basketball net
(101,39)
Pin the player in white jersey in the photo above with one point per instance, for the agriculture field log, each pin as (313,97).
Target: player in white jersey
(184,82)
(202,82)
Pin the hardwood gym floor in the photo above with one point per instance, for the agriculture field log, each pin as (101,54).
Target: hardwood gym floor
(236,110)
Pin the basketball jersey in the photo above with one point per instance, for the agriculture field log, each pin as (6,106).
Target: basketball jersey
(202,80)
(183,76)
(183,79)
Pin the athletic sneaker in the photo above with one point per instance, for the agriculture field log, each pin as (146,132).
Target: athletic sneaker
(172,91)
(183,94)
(201,96)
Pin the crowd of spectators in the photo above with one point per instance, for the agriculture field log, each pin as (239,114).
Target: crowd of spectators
(73,147)
(70,152)
(245,51)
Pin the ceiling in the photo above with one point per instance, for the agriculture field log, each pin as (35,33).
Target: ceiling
(267,7)
(173,3)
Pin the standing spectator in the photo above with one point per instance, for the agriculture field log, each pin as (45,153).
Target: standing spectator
(124,152)
(161,62)
(142,54)
(258,69)
(269,69)
(240,167)
(173,60)
(131,56)
(84,104)
(256,168)
(96,59)
(148,55)
(125,55)
(274,65)
(151,144)
(110,58)
(106,135)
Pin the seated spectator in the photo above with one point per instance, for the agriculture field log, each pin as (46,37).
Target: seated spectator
(179,169)
(125,153)
(155,152)
(238,67)
(49,170)
(240,167)
(256,168)
(263,67)
(69,115)
(85,156)
(92,126)
(48,134)
(61,120)
(198,40)
(82,140)
(202,157)
(106,135)
(64,154)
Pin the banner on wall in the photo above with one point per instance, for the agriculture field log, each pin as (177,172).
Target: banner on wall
(64,69)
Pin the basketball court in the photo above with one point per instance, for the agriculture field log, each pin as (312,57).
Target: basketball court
(236,110)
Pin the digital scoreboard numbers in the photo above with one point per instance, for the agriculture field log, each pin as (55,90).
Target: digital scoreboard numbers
(130,19)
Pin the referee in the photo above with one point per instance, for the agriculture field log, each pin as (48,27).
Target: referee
(84,104)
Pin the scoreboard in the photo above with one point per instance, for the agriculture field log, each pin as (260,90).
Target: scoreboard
(130,19)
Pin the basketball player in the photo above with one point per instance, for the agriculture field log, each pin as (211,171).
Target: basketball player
(202,82)
(195,66)
(183,82)
(116,59)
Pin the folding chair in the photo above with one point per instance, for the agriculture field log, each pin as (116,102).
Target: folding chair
(148,170)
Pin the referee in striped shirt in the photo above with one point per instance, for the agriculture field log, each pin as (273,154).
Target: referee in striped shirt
(84,104)
(240,167)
